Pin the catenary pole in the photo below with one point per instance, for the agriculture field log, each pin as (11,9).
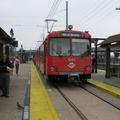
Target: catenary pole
(66,15)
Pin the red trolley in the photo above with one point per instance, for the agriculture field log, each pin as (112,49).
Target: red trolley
(65,54)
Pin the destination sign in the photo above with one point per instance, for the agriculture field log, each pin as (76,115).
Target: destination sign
(66,34)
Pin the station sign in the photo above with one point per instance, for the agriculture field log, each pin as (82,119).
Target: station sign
(67,34)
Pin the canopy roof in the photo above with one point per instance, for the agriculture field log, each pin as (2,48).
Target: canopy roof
(112,41)
(5,38)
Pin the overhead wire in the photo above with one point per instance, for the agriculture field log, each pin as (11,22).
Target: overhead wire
(52,8)
(104,17)
(100,23)
(51,14)
(95,13)
(56,7)
(48,16)
(101,16)
(89,12)
(59,11)
(51,23)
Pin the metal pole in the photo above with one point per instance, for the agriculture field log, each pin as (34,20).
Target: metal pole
(47,27)
(30,55)
(107,75)
(66,15)
(96,57)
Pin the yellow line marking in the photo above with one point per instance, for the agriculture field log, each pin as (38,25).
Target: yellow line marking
(41,107)
(105,87)
(101,70)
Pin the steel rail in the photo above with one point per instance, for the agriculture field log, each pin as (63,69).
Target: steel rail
(100,98)
(79,113)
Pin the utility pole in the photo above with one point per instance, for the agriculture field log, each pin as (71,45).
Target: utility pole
(66,15)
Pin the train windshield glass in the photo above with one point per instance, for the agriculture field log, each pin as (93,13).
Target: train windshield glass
(60,47)
(80,47)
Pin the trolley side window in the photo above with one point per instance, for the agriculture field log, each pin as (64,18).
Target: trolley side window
(59,47)
(41,50)
(80,47)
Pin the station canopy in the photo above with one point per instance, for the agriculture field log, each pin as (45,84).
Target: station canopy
(112,41)
(5,38)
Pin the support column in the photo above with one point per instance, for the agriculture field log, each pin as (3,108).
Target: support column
(96,57)
(1,50)
(7,51)
(107,75)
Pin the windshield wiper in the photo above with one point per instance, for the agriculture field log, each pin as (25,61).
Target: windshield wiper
(56,52)
(84,54)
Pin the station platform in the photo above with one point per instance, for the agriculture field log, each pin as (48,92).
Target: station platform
(18,84)
(28,90)
(109,85)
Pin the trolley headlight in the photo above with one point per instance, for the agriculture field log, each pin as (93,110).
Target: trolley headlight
(52,69)
(87,68)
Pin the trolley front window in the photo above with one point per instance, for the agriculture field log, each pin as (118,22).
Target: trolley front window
(80,47)
(60,47)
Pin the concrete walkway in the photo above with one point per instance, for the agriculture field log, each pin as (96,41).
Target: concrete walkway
(100,76)
(18,84)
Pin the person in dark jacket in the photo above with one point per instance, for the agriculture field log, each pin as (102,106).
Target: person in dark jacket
(93,64)
(5,68)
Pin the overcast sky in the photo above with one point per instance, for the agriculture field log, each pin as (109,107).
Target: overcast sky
(27,18)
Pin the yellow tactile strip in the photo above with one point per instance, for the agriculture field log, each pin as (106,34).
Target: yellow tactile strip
(101,70)
(41,107)
(105,87)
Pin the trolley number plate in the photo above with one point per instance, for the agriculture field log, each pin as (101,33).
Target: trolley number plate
(71,59)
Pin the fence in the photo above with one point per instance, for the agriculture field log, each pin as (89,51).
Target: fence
(114,66)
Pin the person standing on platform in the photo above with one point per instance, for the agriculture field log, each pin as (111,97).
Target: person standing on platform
(12,64)
(17,63)
(5,68)
(93,64)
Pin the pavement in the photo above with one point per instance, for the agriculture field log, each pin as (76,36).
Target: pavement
(100,76)
(18,84)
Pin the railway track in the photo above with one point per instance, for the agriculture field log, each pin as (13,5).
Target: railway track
(74,106)
(106,101)
(79,113)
